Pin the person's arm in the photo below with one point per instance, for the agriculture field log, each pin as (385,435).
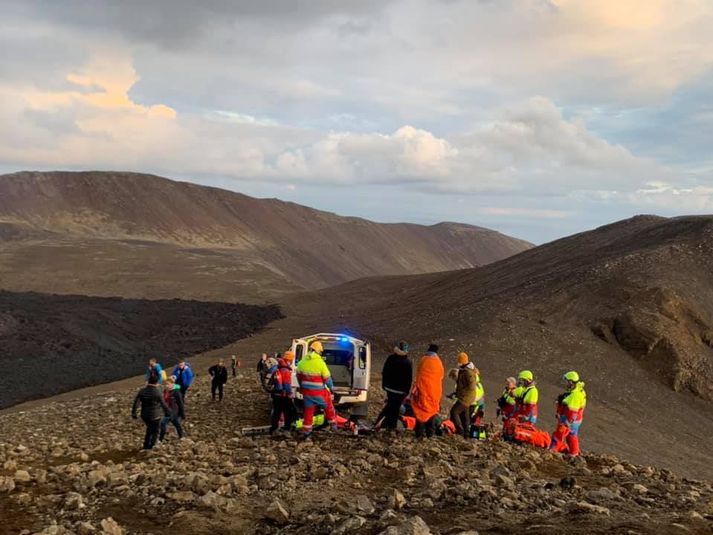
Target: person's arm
(135,406)
(326,376)
(211,371)
(166,409)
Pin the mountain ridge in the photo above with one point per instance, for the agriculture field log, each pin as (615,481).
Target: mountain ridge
(90,211)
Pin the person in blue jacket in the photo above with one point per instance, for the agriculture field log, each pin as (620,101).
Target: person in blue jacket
(154,370)
(184,376)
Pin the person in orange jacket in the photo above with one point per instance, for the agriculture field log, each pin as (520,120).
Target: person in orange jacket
(427,392)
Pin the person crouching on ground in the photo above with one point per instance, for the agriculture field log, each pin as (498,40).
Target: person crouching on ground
(316,386)
(427,392)
(173,398)
(283,405)
(153,408)
(465,394)
(219,377)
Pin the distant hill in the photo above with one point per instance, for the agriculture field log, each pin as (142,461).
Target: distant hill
(136,235)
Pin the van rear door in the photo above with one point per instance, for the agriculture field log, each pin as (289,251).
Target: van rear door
(299,348)
(362,366)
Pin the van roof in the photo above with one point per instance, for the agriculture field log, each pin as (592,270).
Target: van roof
(333,336)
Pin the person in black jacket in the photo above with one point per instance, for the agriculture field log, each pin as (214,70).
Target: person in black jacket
(153,408)
(219,373)
(396,380)
(173,398)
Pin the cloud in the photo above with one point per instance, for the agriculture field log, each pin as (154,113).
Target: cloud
(530,108)
(525,146)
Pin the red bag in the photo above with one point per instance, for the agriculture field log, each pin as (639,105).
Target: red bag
(526,433)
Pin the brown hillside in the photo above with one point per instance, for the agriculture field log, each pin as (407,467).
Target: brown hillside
(102,232)
(629,305)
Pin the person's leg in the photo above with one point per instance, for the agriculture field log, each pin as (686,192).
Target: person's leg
(213,388)
(162,428)
(153,428)
(147,435)
(330,415)
(308,417)
(464,421)
(290,413)
(456,412)
(573,438)
(381,419)
(420,428)
(220,391)
(392,409)
(277,410)
(431,427)
(177,424)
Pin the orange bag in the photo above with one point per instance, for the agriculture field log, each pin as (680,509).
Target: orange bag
(409,422)
(526,433)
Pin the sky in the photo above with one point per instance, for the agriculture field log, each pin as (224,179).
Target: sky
(538,118)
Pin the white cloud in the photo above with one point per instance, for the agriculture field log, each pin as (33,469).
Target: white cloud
(523,147)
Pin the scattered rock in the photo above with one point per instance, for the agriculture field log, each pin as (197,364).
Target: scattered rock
(413,526)
(6,484)
(111,527)
(277,512)
(349,525)
(398,500)
(364,505)
(585,507)
(22,476)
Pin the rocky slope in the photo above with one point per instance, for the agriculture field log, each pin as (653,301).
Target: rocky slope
(51,344)
(105,233)
(628,305)
(73,467)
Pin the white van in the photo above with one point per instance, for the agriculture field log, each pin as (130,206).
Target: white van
(349,362)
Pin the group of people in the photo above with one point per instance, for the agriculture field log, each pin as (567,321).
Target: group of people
(420,397)
(163,400)
(412,399)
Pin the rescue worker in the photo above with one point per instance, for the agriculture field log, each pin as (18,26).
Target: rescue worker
(477,408)
(282,396)
(396,379)
(316,387)
(466,380)
(219,377)
(427,392)
(507,401)
(570,411)
(526,396)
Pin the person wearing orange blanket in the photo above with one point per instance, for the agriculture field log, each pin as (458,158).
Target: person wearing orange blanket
(427,391)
